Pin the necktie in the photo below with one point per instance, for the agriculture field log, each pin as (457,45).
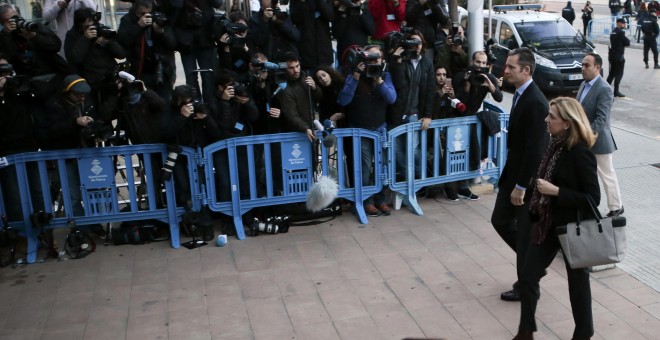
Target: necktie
(515,100)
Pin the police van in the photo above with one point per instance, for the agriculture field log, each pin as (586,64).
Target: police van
(557,46)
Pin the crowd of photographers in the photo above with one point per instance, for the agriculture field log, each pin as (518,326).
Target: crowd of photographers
(397,61)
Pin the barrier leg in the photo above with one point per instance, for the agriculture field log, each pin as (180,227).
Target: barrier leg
(362,216)
(238,225)
(411,202)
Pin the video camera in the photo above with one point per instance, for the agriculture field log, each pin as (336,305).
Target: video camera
(402,38)
(23,24)
(13,83)
(359,55)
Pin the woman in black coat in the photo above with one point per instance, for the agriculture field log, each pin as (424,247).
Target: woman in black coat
(566,177)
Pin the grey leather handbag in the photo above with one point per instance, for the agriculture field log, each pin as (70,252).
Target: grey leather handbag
(594,242)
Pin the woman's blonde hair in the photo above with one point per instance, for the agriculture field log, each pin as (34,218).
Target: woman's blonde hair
(579,130)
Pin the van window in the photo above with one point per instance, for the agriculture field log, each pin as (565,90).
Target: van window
(506,34)
(547,33)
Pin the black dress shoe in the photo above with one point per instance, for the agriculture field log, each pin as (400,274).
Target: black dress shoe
(511,295)
(619,94)
(615,213)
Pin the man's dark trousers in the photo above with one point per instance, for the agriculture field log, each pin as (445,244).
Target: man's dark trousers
(513,224)
(616,73)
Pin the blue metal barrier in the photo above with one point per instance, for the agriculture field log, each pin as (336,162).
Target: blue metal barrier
(448,163)
(299,166)
(243,173)
(96,172)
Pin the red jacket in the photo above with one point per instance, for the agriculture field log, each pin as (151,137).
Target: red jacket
(380,9)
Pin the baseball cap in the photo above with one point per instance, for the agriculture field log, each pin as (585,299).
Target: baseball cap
(621,20)
(76,83)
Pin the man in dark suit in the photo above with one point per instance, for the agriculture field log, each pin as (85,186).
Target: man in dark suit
(595,95)
(526,143)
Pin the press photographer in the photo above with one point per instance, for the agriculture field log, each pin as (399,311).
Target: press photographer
(32,50)
(233,51)
(353,24)
(365,100)
(69,118)
(313,18)
(426,16)
(272,32)
(149,41)
(91,50)
(414,81)
(263,82)
(451,48)
(475,83)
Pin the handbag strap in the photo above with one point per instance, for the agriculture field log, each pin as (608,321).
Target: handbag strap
(594,210)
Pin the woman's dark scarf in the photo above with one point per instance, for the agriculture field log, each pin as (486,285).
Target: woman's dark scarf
(540,204)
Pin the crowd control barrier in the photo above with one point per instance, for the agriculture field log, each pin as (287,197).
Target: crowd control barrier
(91,176)
(236,175)
(600,29)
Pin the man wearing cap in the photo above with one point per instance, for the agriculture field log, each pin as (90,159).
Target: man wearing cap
(618,43)
(68,118)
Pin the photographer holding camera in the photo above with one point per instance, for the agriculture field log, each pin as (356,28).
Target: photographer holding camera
(366,94)
(414,81)
(272,33)
(426,16)
(264,89)
(149,41)
(32,50)
(475,83)
(452,51)
(353,24)
(62,12)
(233,51)
(71,124)
(91,50)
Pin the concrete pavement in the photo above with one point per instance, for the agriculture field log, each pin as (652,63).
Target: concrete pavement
(437,275)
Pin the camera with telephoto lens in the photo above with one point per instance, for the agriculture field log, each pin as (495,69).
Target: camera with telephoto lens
(233,30)
(474,75)
(104,31)
(160,19)
(277,11)
(455,36)
(23,24)
(240,90)
(96,130)
(13,83)
(359,55)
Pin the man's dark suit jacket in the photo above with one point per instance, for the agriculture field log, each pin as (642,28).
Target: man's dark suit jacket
(527,139)
(575,176)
